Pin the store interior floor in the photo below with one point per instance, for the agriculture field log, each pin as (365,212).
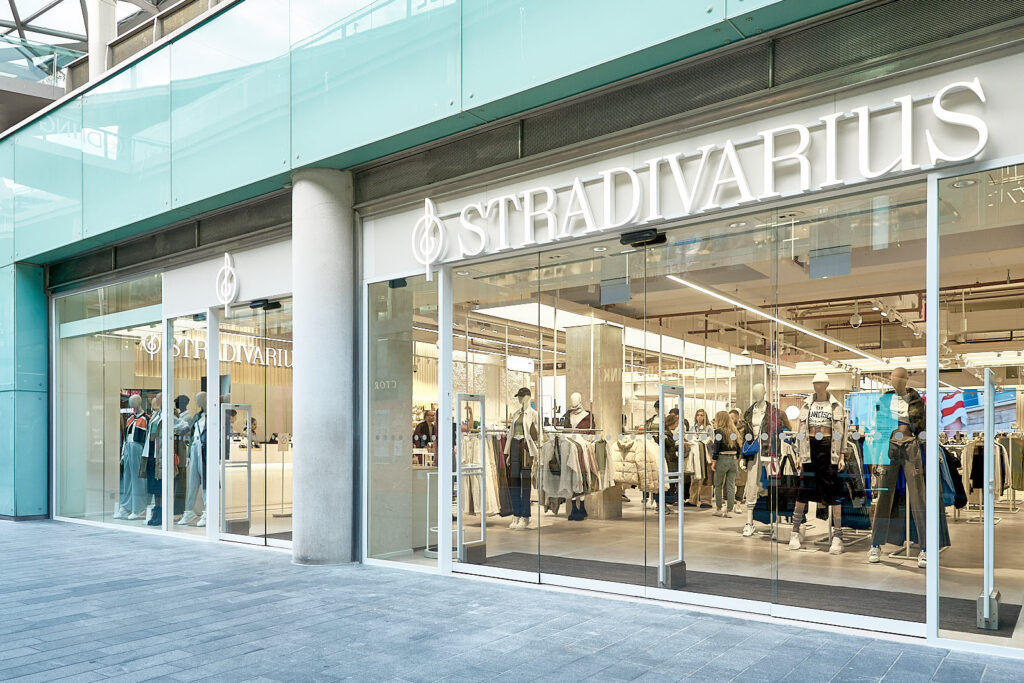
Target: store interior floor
(721,561)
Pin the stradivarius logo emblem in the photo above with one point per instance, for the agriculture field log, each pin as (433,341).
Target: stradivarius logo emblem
(227,285)
(428,237)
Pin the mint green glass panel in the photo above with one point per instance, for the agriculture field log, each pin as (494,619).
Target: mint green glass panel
(48,175)
(229,102)
(126,146)
(510,46)
(30,321)
(31,469)
(752,17)
(7,328)
(6,202)
(371,73)
(7,453)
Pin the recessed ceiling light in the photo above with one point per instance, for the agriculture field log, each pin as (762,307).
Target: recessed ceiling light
(874,308)
(966,182)
(600,249)
(462,273)
(885,314)
(554,257)
(788,215)
(738,224)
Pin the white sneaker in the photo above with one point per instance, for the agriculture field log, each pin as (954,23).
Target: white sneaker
(875,555)
(739,508)
(524,523)
(921,562)
(120,513)
(727,514)
(718,513)
(748,529)
(795,540)
(187,518)
(837,546)
(514,524)
(202,520)
(136,515)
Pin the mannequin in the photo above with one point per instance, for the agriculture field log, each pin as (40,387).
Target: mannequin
(757,418)
(132,504)
(520,453)
(821,440)
(577,417)
(899,421)
(154,475)
(196,465)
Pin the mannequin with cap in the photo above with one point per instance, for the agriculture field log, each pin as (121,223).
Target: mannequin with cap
(521,451)
(821,439)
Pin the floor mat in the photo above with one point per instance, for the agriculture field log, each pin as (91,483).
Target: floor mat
(956,614)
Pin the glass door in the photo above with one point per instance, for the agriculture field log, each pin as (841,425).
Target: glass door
(981,411)
(255,449)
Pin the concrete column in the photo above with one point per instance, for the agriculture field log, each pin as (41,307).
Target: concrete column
(324,390)
(102,30)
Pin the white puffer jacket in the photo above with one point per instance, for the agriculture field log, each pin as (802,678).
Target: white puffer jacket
(636,462)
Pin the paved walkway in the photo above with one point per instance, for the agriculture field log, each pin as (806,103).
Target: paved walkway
(80,603)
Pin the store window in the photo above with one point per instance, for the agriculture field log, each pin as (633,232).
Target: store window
(747,379)
(108,378)
(403,365)
(981,360)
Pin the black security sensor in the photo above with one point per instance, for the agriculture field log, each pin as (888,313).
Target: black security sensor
(643,238)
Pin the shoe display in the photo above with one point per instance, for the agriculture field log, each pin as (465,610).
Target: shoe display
(187,518)
(921,562)
(748,529)
(875,555)
(202,520)
(837,546)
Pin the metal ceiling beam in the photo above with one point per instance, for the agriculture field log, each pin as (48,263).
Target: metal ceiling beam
(44,31)
(144,5)
(17,19)
(35,15)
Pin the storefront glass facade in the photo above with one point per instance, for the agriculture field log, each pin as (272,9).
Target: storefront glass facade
(116,359)
(611,366)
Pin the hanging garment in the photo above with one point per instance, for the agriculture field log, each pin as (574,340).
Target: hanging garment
(954,465)
(504,496)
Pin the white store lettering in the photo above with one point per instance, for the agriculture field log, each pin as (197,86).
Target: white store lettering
(707,178)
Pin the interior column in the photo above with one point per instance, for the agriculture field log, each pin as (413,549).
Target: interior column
(325,396)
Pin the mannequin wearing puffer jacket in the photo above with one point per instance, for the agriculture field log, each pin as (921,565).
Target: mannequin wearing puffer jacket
(821,441)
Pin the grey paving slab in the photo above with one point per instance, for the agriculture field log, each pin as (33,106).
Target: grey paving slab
(87,604)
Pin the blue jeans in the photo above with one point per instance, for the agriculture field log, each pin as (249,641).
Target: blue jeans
(133,489)
(519,484)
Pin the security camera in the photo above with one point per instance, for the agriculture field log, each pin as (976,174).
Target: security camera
(856,320)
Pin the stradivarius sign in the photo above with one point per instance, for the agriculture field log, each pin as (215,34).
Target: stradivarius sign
(801,157)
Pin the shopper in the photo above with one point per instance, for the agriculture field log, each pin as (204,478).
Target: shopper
(725,448)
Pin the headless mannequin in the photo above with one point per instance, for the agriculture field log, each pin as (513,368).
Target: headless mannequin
(196,465)
(758,409)
(817,433)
